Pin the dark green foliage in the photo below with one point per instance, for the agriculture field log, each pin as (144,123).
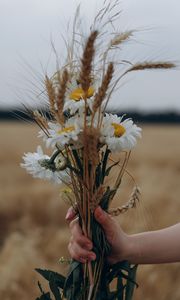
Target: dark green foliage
(78,161)
(99,240)
(104,163)
(109,169)
(56,284)
(55,277)
(74,287)
(74,281)
(124,273)
(131,284)
(44,296)
(104,203)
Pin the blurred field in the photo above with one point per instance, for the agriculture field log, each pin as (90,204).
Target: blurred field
(33,232)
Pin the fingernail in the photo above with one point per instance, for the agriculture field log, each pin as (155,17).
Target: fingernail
(69,214)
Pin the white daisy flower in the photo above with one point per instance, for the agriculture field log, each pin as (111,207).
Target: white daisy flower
(75,96)
(119,135)
(37,165)
(77,106)
(61,135)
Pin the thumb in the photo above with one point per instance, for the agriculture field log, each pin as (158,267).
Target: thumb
(104,219)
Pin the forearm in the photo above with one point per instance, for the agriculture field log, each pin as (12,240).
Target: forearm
(161,246)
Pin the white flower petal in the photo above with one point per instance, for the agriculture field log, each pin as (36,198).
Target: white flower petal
(126,141)
(33,166)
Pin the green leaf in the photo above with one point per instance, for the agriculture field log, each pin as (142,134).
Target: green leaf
(58,278)
(120,288)
(45,296)
(78,161)
(99,239)
(54,288)
(116,295)
(104,163)
(106,198)
(131,283)
(74,281)
(116,268)
(110,167)
(98,175)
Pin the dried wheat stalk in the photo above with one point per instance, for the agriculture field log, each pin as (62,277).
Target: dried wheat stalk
(134,198)
(97,197)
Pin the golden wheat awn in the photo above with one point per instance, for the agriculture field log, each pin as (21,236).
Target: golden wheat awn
(51,95)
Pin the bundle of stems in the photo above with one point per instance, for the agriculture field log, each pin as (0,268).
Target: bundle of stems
(84,138)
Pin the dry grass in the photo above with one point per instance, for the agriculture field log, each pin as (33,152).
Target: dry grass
(33,232)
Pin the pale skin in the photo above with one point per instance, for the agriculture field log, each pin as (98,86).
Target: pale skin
(154,247)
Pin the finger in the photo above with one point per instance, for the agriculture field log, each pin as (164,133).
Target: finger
(78,253)
(71,213)
(75,255)
(104,219)
(78,237)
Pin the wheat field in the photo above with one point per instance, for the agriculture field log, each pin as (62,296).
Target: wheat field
(33,232)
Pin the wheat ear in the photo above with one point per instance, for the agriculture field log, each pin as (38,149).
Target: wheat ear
(61,94)
(121,38)
(134,198)
(101,94)
(86,61)
(151,65)
(51,95)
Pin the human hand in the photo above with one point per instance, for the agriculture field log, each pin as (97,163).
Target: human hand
(80,247)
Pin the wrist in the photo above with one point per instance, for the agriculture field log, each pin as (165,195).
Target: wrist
(131,250)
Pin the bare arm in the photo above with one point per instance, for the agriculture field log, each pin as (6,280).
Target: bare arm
(161,246)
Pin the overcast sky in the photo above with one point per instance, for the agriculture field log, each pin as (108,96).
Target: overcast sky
(27,25)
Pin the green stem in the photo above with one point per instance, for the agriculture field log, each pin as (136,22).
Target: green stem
(53,157)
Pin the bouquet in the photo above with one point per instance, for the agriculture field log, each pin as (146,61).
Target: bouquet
(83,137)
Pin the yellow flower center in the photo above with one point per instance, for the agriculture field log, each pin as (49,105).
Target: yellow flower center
(66,130)
(79,94)
(66,191)
(119,130)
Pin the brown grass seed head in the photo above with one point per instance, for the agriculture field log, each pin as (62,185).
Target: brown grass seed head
(92,136)
(152,65)
(61,94)
(86,61)
(101,94)
(120,38)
